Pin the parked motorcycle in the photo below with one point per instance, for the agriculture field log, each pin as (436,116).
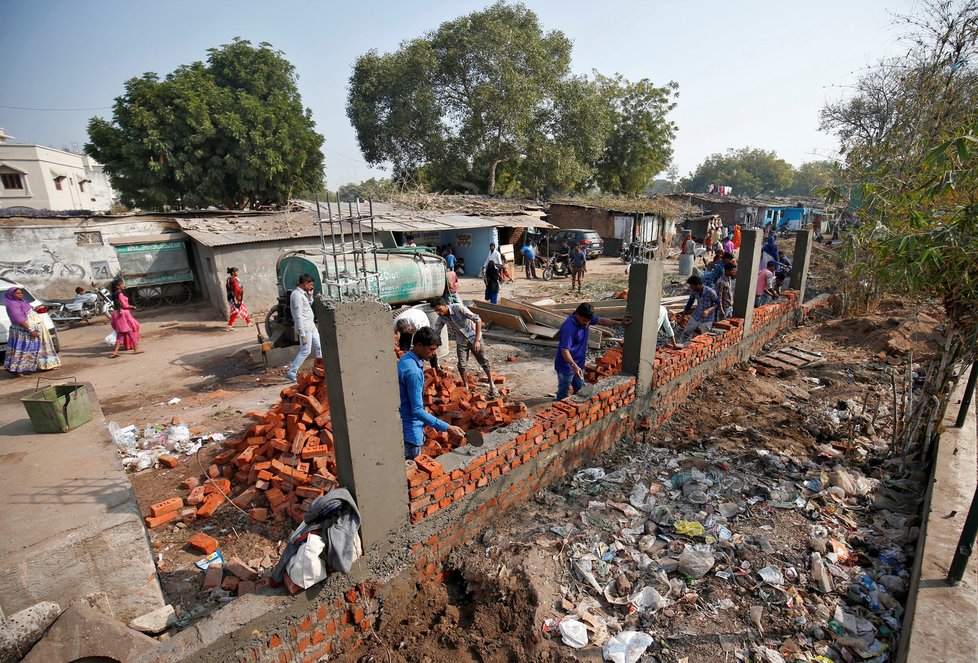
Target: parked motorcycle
(556,267)
(81,309)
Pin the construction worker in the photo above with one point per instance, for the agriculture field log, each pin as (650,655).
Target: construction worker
(410,382)
(466,327)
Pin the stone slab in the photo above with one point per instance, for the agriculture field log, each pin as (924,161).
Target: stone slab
(85,633)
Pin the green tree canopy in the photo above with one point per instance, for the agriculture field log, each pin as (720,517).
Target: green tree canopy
(230,133)
(486,103)
(749,171)
(812,177)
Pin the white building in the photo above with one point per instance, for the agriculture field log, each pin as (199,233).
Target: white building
(41,177)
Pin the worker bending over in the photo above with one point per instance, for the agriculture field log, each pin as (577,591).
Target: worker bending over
(466,327)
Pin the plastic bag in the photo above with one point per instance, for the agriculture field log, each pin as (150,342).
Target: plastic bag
(695,563)
(573,633)
(626,647)
(124,438)
(307,567)
(111,339)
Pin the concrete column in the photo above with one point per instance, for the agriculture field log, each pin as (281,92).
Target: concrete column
(361,384)
(800,261)
(747,262)
(644,294)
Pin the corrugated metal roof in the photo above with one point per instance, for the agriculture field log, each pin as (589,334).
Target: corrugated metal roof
(252,228)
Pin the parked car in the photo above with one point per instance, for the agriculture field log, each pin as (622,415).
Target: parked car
(38,306)
(589,241)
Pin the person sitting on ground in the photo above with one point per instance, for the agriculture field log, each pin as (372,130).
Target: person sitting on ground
(466,327)
(578,266)
(765,285)
(726,289)
(704,315)
(572,347)
(410,383)
(665,328)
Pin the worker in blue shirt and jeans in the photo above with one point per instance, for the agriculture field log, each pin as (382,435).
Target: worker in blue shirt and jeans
(410,381)
(572,347)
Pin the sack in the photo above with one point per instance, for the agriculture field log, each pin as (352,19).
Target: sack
(111,338)
(307,566)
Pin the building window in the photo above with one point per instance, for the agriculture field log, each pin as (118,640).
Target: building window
(12,180)
(81,185)
(58,181)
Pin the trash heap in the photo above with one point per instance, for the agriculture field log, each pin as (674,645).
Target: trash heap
(157,445)
(798,559)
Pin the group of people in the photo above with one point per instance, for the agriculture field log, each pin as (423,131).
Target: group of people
(711,293)
(574,259)
(421,341)
(30,346)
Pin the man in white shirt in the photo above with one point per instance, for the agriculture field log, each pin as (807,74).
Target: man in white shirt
(494,255)
(406,325)
(300,303)
(665,327)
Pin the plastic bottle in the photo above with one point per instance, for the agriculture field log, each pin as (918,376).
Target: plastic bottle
(872,592)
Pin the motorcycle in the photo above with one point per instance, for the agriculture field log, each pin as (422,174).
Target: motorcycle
(81,309)
(556,266)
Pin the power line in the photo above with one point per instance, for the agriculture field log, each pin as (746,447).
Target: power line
(55,109)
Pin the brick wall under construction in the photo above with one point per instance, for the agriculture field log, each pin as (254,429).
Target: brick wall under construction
(454,497)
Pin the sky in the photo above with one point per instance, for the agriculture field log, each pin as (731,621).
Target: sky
(751,73)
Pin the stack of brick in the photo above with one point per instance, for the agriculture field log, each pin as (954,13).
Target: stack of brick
(278,466)
(285,460)
(606,365)
(460,404)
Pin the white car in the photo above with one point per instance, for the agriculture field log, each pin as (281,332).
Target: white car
(38,306)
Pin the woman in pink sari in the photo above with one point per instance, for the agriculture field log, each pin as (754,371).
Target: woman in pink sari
(125,326)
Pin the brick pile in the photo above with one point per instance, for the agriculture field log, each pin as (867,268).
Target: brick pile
(606,365)
(459,404)
(285,459)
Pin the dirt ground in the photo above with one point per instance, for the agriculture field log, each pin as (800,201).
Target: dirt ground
(761,438)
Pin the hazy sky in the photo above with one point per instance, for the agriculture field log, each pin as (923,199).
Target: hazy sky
(750,72)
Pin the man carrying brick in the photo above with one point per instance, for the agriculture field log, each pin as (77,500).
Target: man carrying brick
(466,327)
(572,347)
(704,315)
(410,382)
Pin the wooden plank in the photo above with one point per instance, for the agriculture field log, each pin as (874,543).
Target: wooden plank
(542,316)
(488,306)
(544,302)
(516,338)
(540,330)
(772,362)
(603,304)
(505,320)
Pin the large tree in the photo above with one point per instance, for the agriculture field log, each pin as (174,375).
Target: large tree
(812,177)
(486,103)
(640,143)
(749,171)
(467,93)
(230,133)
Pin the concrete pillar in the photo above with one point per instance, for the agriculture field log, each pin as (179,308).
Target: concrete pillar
(800,261)
(361,384)
(747,261)
(644,294)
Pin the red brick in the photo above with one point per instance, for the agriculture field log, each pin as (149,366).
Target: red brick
(196,496)
(240,569)
(258,515)
(429,465)
(202,542)
(166,460)
(213,576)
(166,506)
(156,521)
(230,584)
(211,504)
(190,484)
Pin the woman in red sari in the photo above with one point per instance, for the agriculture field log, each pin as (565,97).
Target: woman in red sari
(235,295)
(126,327)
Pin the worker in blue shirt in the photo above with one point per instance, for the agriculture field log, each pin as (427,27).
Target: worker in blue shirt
(450,259)
(410,381)
(572,347)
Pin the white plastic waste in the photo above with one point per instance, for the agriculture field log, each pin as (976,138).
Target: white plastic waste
(124,438)
(573,633)
(626,647)
(695,563)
